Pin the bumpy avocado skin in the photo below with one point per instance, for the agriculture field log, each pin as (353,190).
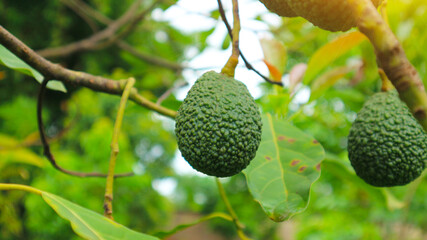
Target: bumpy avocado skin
(218,126)
(386,145)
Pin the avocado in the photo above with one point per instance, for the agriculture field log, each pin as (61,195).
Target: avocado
(386,145)
(218,125)
(331,15)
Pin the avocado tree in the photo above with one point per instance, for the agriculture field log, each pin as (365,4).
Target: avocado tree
(333,146)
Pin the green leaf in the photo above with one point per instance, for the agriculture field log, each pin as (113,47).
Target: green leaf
(89,224)
(181,227)
(9,60)
(226,42)
(286,165)
(330,52)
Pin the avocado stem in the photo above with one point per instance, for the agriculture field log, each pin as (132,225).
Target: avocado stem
(230,67)
(386,85)
(392,59)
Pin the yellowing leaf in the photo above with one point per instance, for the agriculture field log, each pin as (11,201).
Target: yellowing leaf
(328,79)
(21,155)
(275,57)
(274,72)
(330,52)
(11,151)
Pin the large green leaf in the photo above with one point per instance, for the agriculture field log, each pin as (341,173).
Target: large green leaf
(89,224)
(9,60)
(286,165)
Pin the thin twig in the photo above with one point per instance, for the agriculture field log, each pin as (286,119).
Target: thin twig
(94,40)
(84,9)
(46,147)
(239,226)
(170,90)
(108,197)
(247,64)
(151,59)
(128,29)
(57,72)
(89,21)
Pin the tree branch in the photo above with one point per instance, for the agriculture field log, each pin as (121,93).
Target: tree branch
(93,41)
(87,10)
(57,72)
(392,59)
(82,15)
(151,59)
(81,8)
(128,29)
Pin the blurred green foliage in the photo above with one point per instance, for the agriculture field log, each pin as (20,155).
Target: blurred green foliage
(80,123)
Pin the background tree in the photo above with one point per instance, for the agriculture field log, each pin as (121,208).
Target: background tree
(123,39)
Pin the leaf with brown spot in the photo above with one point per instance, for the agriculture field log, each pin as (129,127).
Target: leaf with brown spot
(302,168)
(281,184)
(295,162)
(281,138)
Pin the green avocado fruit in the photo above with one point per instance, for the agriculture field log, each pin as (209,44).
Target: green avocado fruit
(386,145)
(218,126)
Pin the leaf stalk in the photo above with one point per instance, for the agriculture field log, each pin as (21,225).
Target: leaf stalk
(108,197)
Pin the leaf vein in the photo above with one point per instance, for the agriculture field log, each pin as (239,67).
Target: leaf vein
(270,121)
